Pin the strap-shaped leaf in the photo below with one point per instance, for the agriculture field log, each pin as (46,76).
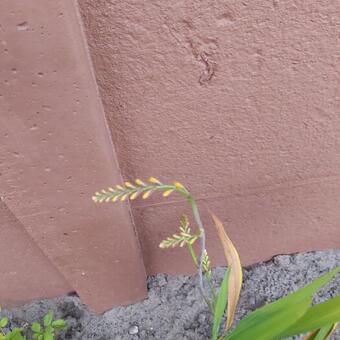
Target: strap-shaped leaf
(271,320)
(220,305)
(321,334)
(317,316)
(235,277)
(268,327)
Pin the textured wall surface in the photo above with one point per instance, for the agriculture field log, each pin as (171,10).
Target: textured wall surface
(55,152)
(24,267)
(237,99)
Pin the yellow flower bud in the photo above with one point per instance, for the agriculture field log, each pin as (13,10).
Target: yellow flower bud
(179,186)
(139,182)
(167,193)
(129,185)
(134,195)
(124,197)
(147,194)
(154,180)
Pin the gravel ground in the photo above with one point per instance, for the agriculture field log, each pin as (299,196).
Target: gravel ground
(174,308)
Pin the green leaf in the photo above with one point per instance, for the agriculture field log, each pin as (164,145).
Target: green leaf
(220,305)
(59,324)
(15,334)
(322,333)
(316,317)
(48,319)
(273,319)
(48,335)
(3,322)
(49,329)
(36,327)
(268,326)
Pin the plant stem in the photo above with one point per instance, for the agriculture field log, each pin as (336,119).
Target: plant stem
(199,264)
(210,284)
(194,258)
(198,220)
(193,254)
(184,192)
(212,289)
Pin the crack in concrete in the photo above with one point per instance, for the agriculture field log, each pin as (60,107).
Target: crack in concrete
(209,70)
(196,48)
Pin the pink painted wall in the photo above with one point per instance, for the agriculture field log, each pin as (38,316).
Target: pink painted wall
(55,151)
(239,100)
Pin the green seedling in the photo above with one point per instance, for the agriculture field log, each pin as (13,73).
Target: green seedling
(14,334)
(47,330)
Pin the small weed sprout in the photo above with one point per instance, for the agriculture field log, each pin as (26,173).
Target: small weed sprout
(38,331)
(47,330)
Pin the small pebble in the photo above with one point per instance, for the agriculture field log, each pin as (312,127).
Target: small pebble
(202,318)
(282,260)
(133,330)
(162,281)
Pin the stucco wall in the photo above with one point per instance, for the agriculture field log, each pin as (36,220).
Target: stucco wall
(55,151)
(239,100)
